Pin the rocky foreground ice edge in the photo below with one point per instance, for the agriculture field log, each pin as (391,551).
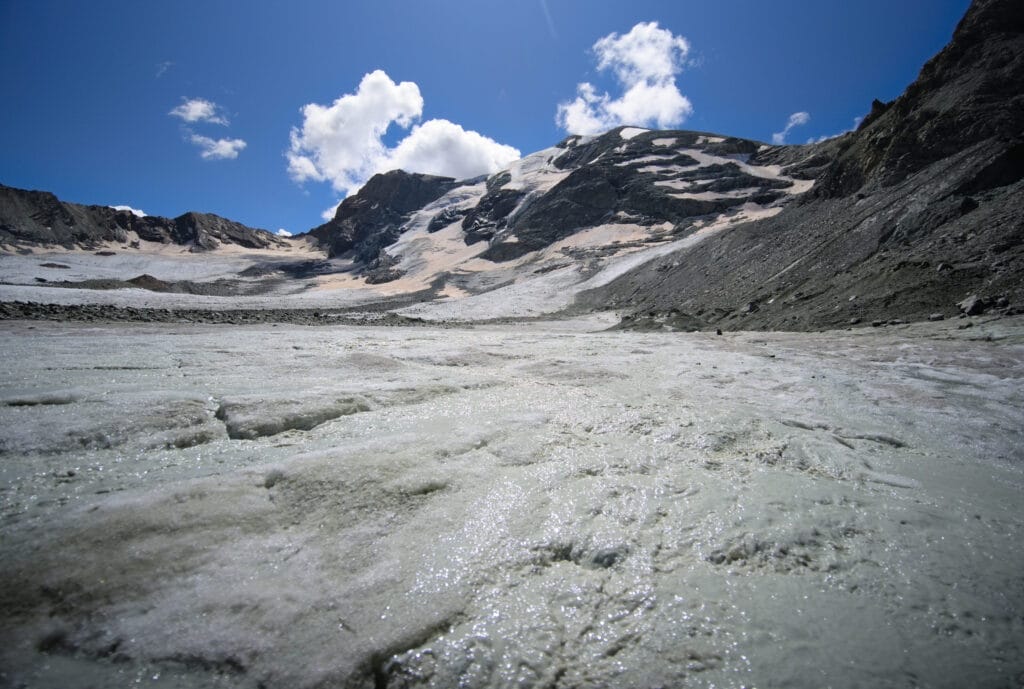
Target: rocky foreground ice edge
(532,505)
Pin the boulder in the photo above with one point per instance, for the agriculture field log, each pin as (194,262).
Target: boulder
(973,305)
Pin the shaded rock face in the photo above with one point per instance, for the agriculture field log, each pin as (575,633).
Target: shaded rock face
(207,230)
(917,210)
(969,93)
(604,179)
(608,181)
(40,218)
(372,219)
(491,214)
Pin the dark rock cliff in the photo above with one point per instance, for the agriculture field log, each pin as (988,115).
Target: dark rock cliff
(968,94)
(371,219)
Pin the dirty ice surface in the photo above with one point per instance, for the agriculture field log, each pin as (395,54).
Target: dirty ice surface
(534,505)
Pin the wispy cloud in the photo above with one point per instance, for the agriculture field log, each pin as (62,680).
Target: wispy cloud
(194,110)
(217,149)
(818,140)
(547,18)
(162,67)
(645,62)
(202,111)
(797,119)
(342,143)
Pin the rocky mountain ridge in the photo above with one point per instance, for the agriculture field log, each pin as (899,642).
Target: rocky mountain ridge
(904,219)
(968,94)
(626,174)
(522,242)
(34,218)
(909,217)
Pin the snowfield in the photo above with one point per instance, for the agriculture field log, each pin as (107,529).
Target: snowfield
(532,505)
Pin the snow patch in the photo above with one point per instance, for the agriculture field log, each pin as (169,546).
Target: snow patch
(631,132)
(666,169)
(706,159)
(644,159)
(536,296)
(715,195)
(681,184)
(536,172)
(800,186)
(134,211)
(607,235)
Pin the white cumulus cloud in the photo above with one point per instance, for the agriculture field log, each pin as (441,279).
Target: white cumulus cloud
(134,211)
(281,232)
(645,63)
(217,149)
(200,110)
(440,147)
(342,143)
(797,119)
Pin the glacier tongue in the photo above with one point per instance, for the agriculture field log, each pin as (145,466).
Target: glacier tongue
(533,505)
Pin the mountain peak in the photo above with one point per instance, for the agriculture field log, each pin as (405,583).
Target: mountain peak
(369,220)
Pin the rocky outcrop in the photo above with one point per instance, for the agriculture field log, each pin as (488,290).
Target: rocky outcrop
(970,93)
(611,178)
(370,220)
(490,215)
(206,231)
(604,179)
(38,218)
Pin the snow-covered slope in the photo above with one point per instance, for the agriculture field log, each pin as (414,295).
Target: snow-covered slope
(522,242)
(572,217)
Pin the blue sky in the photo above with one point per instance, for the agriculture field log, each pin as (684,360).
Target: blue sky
(176,106)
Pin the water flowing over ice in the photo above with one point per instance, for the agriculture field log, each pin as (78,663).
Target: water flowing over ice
(533,505)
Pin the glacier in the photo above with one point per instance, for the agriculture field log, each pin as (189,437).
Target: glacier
(544,503)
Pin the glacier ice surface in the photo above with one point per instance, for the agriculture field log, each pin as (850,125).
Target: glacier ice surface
(532,504)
